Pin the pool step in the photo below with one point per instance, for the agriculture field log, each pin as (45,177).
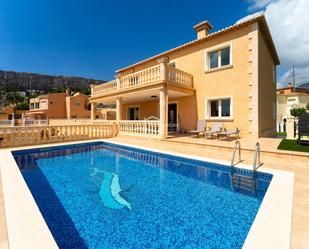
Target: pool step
(244,183)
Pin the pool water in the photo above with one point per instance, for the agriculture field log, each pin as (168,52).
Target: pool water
(100,195)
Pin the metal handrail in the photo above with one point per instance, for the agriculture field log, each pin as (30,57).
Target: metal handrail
(236,147)
(257,159)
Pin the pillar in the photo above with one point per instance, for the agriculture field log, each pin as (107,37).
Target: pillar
(118,109)
(163,112)
(93,110)
(163,68)
(118,82)
(290,128)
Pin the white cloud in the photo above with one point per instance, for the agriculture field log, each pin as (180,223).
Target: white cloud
(288,22)
(301,76)
(258,4)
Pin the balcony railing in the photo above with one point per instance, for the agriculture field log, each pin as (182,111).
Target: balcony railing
(30,122)
(179,77)
(19,136)
(139,128)
(104,88)
(145,77)
(6,122)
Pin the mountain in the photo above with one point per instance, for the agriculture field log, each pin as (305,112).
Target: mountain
(19,81)
(305,85)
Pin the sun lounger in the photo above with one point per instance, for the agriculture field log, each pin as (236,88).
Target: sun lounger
(201,126)
(228,133)
(215,130)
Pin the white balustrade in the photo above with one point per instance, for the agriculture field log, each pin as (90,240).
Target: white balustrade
(281,126)
(105,88)
(19,136)
(139,128)
(6,122)
(30,122)
(180,77)
(145,77)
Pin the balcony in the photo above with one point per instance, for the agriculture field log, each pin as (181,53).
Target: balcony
(161,73)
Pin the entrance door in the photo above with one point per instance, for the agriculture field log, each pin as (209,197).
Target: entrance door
(133,113)
(172,117)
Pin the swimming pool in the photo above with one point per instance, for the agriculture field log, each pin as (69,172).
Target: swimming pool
(101,195)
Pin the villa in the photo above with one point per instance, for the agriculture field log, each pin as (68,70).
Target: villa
(93,177)
(59,105)
(288,98)
(228,76)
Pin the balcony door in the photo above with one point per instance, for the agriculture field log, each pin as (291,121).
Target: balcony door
(133,113)
(172,117)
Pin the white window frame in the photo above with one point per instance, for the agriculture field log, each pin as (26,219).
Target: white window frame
(214,49)
(208,108)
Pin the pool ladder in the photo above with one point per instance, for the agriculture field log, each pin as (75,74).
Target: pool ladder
(236,148)
(256,159)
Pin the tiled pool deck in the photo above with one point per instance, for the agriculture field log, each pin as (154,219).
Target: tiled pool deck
(300,228)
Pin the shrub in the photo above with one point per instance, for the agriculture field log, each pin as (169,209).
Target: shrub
(296,112)
(307,106)
(22,106)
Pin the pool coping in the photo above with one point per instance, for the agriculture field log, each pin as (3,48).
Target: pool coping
(27,228)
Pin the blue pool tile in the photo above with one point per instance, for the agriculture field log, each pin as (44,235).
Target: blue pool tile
(176,202)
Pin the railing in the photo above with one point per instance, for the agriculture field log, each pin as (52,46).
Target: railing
(19,136)
(236,147)
(179,77)
(6,122)
(281,126)
(145,77)
(35,122)
(139,128)
(105,88)
(257,157)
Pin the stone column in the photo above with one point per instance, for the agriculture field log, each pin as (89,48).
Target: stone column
(290,128)
(93,110)
(118,82)
(92,89)
(118,109)
(163,68)
(163,112)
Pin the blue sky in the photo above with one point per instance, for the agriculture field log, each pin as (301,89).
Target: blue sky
(94,38)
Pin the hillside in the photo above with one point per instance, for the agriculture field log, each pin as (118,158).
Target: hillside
(305,85)
(19,81)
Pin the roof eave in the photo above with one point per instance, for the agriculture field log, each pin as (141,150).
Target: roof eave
(210,36)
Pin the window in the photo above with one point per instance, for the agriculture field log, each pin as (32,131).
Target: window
(219,58)
(214,59)
(219,108)
(77,104)
(133,113)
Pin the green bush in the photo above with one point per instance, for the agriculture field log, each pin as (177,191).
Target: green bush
(307,106)
(296,112)
(22,106)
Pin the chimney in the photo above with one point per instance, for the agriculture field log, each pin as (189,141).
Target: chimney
(202,29)
(67,92)
(289,85)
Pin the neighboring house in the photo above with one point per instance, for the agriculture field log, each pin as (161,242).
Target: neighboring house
(289,98)
(10,111)
(60,105)
(228,76)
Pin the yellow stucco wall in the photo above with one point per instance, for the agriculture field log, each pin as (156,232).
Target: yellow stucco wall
(248,81)
(229,82)
(267,90)
(187,114)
